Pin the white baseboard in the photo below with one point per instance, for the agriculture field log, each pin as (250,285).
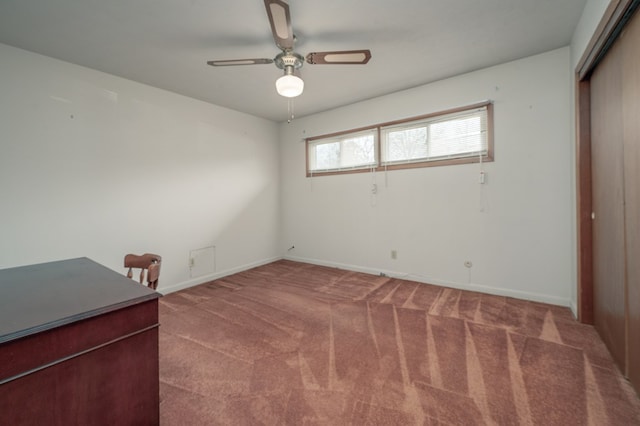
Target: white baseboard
(217,275)
(574,308)
(536,297)
(517,294)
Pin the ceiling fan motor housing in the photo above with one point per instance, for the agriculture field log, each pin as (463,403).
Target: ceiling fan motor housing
(289,60)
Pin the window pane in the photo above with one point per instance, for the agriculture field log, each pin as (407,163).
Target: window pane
(407,144)
(459,136)
(456,135)
(355,150)
(327,156)
(358,151)
(458,147)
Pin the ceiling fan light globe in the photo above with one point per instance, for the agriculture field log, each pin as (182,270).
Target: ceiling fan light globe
(289,86)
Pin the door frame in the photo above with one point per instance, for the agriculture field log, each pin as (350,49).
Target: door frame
(615,17)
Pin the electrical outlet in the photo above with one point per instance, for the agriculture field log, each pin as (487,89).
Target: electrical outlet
(192,262)
(394,254)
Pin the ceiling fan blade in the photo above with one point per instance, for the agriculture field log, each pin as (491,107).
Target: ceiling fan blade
(280,20)
(233,62)
(353,57)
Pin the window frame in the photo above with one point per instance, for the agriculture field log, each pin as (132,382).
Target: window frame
(381,166)
(333,138)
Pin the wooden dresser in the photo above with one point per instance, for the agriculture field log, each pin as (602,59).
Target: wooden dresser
(78,346)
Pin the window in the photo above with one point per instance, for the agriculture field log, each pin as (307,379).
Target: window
(456,136)
(349,151)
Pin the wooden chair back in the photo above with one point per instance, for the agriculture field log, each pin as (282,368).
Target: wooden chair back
(149,263)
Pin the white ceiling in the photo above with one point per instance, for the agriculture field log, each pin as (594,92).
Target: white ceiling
(166,43)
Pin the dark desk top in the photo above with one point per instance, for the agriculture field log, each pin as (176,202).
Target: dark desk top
(41,297)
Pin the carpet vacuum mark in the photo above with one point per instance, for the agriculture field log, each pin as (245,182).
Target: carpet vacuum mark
(293,343)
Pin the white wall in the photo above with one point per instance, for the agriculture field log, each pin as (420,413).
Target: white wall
(516,229)
(591,15)
(98,166)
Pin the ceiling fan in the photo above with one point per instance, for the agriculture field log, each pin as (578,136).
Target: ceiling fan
(290,85)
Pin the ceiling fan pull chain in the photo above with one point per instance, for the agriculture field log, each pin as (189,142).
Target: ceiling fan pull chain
(290,110)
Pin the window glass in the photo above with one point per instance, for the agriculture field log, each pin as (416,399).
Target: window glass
(406,144)
(451,137)
(458,136)
(347,152)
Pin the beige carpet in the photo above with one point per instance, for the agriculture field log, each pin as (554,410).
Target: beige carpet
(299,344)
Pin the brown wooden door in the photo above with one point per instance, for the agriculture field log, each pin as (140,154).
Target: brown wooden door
(631,144)
(615,145)
(608,204)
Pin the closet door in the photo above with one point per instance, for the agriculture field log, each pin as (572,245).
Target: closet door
(630,41)
(615,147)
(608,204)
